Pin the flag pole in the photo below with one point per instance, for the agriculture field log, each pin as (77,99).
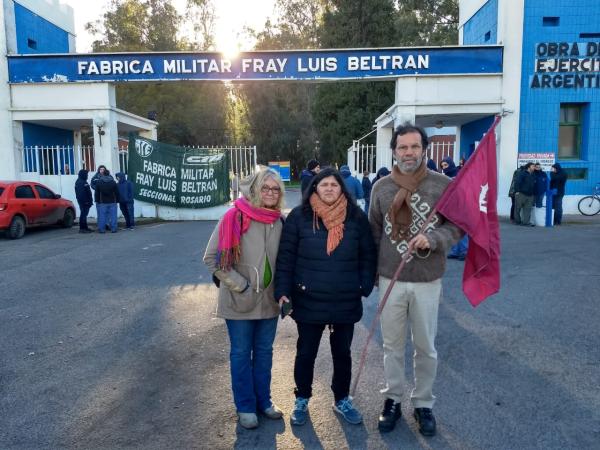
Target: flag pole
(405,258)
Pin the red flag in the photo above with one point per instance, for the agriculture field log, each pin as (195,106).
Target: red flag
(470,203)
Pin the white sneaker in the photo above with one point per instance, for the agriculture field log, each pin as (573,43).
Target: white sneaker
(273,412)
(248,420)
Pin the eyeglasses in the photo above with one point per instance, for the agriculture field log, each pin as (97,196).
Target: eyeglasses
(274,190)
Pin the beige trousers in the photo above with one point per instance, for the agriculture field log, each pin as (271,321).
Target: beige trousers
(417,304)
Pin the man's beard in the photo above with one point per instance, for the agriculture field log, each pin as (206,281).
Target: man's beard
(409,168)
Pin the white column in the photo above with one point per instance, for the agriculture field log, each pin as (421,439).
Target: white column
(383,157)
(107,153)
(8,167)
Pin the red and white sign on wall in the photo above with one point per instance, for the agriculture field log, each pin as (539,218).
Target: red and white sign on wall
(545,159)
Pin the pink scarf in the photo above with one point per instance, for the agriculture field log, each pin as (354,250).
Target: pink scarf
(235,223)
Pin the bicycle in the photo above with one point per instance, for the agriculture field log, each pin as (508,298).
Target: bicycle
(590,204)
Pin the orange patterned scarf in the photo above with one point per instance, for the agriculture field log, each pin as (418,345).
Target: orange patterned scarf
(333,217)
(400,211)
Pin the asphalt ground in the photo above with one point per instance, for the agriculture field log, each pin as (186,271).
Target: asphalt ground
(110,341)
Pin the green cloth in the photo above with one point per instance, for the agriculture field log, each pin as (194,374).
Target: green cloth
(268,275)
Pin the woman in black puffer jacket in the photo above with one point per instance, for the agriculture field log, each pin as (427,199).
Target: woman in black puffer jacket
(325,265)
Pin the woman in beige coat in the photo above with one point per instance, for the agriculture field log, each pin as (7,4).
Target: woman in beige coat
(241,254)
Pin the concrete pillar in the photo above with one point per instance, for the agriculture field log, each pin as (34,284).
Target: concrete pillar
(106,145)
(384,152)
(8,167)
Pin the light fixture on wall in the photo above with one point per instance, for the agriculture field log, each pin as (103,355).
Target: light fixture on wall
(100,123)
(439,124)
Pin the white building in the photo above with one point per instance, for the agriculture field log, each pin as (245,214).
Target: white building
(56,128)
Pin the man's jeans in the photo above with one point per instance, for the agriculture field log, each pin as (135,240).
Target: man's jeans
(523,205)
(83,213)
(107,213)
(127,211)
(251,359)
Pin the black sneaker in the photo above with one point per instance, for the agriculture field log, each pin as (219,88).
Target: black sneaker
(426,421)
(389,416)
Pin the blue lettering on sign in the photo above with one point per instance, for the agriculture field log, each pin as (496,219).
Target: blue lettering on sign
(268,65)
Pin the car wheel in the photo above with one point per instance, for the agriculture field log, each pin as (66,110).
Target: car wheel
(68,219)
(16,230)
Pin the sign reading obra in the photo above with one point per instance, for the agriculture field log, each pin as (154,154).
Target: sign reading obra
(266,65)
(176,176)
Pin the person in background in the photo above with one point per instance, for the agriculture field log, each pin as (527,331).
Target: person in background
(558,179)
(541,184)
(458,250)
(524,192)
(326,264)
(126,199)
(382,172)
(312,168)
(448,167)
(461,163)
(241,254)
(431,165)
(511,194)
(366,186)
(353,186)
(83,193)
(106,196)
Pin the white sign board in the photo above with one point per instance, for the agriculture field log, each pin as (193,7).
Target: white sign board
(545,159)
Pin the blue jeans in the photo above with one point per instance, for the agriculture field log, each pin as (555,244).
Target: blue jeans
(127,211)
(107,213)
(461,247)
(251,359)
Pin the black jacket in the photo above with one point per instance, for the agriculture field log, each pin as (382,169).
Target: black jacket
(106,190)
(83,193)
(325,289)
(305,178)
(558,180)
(525,183)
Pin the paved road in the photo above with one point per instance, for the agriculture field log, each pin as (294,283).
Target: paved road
(111,342)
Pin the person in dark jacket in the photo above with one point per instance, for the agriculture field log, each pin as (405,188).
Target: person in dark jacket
(312,168)
(511,193)
(431,165)
(448,167)
(524,192)
(541,184)
(382,172)
(106,195)
(352,184)
(558,179)
(83,193)
(366,186)
(326,263)
(126,199)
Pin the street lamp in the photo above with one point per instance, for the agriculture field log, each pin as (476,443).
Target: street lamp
(100,123)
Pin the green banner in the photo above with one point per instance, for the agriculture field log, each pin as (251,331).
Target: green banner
(175,176)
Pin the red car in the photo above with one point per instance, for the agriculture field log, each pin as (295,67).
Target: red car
(25,204)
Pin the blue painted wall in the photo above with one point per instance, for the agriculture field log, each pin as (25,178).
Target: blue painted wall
(48,37)
(47,136)
(540,108)
(472,132)
(484,21)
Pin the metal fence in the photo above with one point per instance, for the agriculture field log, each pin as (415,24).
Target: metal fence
(439,150)
(362,157)
(57,160)
(68,160)
(242,159)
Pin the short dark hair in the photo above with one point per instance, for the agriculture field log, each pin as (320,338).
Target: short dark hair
(528,165)
(406,128)
(312,188)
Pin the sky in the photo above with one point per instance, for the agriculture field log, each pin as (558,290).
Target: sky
(232,16)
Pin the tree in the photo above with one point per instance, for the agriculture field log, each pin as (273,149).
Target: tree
(189,113)
(343,112)
(427,22)
(279,114)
